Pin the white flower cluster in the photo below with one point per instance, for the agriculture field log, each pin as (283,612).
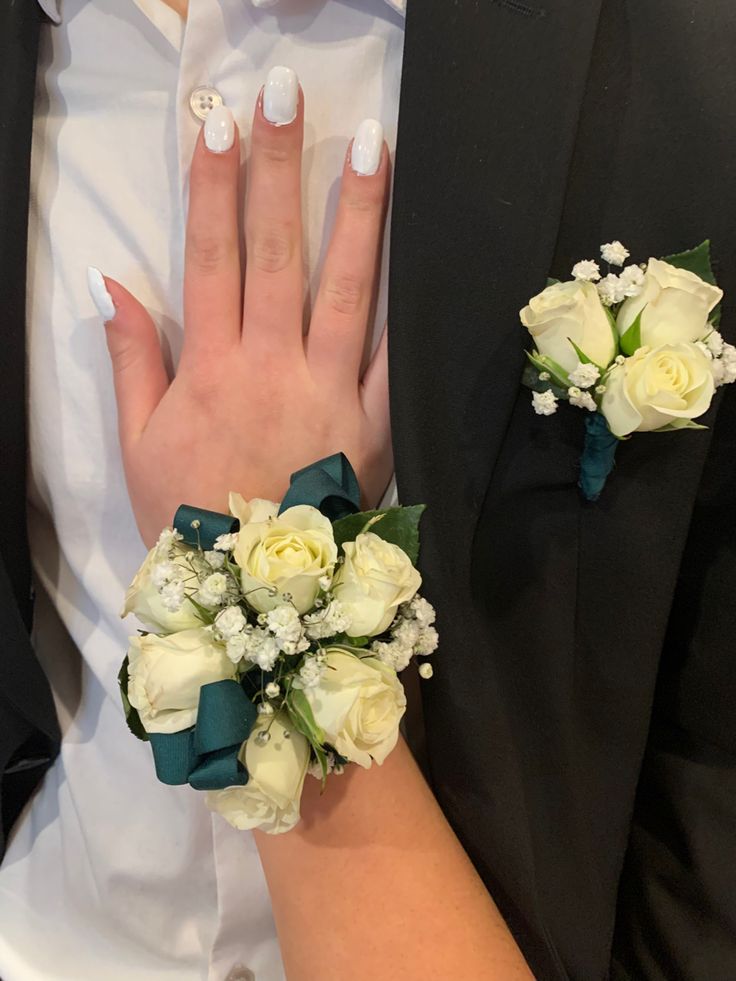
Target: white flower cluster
(330,621)
(722,357)
(412,634)
(612,288)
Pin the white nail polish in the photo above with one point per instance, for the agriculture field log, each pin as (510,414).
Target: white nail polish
(98,292)
(219,129)
(280,95)
(365,157)
(264,4)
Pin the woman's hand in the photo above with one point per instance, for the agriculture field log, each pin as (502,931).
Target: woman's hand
(254,399)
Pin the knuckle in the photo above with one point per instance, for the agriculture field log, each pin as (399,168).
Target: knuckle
(206,252)
(271,250)
(344,294)
(365,203)
(124,353)
(275,153)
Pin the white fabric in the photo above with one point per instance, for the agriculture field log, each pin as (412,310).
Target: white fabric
(110,875)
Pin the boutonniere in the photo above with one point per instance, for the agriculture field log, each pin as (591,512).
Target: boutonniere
(639,350)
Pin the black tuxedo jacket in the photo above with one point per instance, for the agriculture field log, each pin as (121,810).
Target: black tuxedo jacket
(580,725)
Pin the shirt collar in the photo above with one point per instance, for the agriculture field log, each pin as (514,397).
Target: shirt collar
(51,8)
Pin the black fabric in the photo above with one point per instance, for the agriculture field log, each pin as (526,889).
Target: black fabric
(28,727)
(543,133)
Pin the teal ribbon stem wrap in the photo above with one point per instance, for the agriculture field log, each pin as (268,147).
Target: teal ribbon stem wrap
(199,527)
(599,454)
(206,755)
(330,485)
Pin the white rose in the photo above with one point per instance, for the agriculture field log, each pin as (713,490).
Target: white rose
(276,770)
(667,385)
(374,580)
(568,312)
(288,553)
(166,673)
(676,306)
(258,509)
(358,702)
(144,600)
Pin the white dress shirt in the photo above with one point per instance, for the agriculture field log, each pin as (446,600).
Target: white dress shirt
(111,876)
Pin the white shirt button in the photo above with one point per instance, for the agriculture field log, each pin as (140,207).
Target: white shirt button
(240,973)
(204,98)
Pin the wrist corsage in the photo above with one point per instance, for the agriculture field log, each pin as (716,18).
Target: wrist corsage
(274,640)
(638,351)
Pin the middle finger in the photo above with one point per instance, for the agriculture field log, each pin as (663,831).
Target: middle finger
(273,296)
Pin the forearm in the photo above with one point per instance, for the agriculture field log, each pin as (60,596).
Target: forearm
(372,884)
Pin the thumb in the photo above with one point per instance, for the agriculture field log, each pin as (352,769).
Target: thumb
(135,351)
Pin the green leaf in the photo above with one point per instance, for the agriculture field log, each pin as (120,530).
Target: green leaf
(677,424)
(343,640)
(300,712)
(552,282)
(631,339)
(400,526)
(303,718)
(696,260)
(131,715)
(530,379)
(206,616)
(612,321)
(542,363)
(582,356)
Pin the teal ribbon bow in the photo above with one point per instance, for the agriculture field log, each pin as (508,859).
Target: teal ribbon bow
(330,485)
(200,527)
(206,755)
(599,453)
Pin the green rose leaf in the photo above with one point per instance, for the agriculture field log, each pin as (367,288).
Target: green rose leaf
(303,718)
(612,321)
(631,340)
(206,616)
(300,712)
(530,379)
(400,526)
(343,640)
(679,424)
(552,282)
(542,363)
(696,261)
(131,715)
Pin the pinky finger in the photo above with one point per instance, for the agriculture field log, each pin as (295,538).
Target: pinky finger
(138,368)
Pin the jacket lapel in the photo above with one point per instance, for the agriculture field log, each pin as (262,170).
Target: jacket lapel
(490,98)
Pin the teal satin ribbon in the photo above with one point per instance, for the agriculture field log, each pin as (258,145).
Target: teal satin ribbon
(599,453)
(208,525)
(206,755)
(330,485)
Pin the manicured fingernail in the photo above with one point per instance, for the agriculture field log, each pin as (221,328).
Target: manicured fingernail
(280,95)
(98,292)
(365,157)
(219,129)
(263,4)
